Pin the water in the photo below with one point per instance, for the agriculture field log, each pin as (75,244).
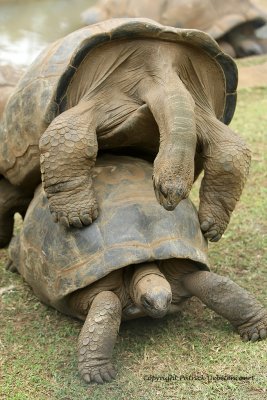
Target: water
(27,26)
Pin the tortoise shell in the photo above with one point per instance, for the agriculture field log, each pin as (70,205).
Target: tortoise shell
(215,17)
(9,77)
(41,93)
(131,228)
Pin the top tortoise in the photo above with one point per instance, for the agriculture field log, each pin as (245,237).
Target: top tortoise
(123,83)
(9,76)
(232,23)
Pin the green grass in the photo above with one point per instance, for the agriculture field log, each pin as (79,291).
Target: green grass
(38,345)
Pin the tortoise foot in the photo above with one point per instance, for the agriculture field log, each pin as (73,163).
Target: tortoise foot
(226,167)
(168,194)
(216,205)
(104,372)
(212,228)
(75,207)
(255,329)
(170,186)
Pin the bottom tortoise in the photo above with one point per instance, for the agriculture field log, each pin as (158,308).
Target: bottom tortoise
(135,260)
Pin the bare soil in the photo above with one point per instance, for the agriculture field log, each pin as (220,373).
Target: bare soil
(253,75)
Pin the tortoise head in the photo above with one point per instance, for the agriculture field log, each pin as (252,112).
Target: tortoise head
(150,290)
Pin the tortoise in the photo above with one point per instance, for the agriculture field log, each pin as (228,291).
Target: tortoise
(9,76)
(147,265)
(232,23)
(131,85)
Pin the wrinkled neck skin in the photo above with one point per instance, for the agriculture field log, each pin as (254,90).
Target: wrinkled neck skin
(150,290)
(174,271)
(124,86)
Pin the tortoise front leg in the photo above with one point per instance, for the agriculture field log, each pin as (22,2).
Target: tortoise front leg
(231,301)
(68,152)
(98,337)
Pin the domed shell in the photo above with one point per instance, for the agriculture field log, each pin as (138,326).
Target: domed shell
(9,77)
(131,228)
(215,17)
(41,93)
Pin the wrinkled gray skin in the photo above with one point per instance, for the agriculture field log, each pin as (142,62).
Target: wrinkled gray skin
(154,290)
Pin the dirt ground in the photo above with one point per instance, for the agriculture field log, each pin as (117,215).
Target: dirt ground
(252,72)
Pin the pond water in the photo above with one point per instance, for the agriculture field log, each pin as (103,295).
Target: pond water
(26,26)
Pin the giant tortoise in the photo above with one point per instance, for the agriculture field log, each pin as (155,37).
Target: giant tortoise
(124,83)
(136,259)
(232,23)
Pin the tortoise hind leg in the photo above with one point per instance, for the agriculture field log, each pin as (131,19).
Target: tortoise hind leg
(12,200)
(226,161)
(98,336)
(226,166)
(231,301)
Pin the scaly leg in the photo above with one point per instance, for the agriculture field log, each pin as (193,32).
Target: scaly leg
(225,158)
(231,301)
(98,337)
(226,166)
(68,153)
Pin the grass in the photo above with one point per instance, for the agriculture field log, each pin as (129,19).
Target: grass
(189,354)
(250,61)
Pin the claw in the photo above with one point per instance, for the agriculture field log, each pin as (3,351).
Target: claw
(76,222)
(245,338)
(207,224)
(86,219)
(112,372)
(216,238)
(86,377)
(97,378)
(163,191)
(263,333)
(95,214)
(106,377)
(211,234)
(254,337)
(64,221)
(54,216)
